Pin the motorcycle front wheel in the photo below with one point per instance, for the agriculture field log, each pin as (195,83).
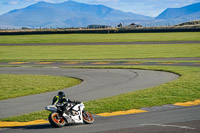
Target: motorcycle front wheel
(56,121)
(87,118)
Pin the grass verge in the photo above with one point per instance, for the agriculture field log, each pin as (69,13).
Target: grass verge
(186,88)
(125,37)
(64,53)
(21,85)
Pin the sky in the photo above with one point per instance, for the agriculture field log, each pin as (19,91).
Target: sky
(144,7)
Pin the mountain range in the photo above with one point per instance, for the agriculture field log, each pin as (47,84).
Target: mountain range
(187,13)
(74,14)
(67,14)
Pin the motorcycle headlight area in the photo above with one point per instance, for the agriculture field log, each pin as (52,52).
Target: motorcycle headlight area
(51,108)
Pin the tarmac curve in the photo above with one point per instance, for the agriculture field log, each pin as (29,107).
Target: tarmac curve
(97,83)
(120,80)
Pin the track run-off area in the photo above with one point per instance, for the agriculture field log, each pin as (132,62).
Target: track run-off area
(102,83)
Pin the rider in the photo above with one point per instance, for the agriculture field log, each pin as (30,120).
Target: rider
(60,99)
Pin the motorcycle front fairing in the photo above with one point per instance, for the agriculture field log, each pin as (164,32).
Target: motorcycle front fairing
(75,113)
(51,108)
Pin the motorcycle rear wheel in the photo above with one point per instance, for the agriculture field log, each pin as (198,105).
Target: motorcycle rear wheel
(56,121)
(87,118)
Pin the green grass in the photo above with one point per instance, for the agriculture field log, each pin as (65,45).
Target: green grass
(21,85)
(183,89)
(28,117)
(186,88)
(63,53)
(129,37)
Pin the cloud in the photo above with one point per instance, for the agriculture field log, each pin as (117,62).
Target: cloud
(15,2)
(10,2)
(106,0)
(102,2)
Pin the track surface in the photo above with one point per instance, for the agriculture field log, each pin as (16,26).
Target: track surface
(98,83)
(183,120)
(106,43)
(100,63)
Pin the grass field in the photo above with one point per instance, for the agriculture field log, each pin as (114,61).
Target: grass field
(129,37)
(186,88)
(63,53)
(21,85)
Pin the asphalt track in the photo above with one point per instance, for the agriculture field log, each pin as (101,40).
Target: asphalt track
(183,120)
(101,83)
(106,43)
(97,83)
(106,63)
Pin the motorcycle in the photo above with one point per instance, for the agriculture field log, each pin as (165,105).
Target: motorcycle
(74,113)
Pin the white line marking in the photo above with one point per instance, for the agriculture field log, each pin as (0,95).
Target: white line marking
(182,127)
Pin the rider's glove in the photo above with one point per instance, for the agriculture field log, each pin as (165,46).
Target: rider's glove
(76,102)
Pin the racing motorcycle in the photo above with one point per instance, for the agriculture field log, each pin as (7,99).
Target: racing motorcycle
(74,113)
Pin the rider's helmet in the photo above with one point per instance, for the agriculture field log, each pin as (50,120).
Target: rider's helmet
(61,94)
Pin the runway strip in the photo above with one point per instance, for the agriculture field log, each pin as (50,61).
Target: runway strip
(106,43)
(99,63)
(97,83)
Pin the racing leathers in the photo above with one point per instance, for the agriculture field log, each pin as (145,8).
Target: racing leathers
(63,103)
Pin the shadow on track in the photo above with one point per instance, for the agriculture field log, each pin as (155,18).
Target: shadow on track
(42,126)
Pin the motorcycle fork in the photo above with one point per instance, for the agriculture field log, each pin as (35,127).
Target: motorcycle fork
(84,112)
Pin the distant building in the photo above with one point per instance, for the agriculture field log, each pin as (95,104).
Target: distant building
(25,28)
(133,25)
(119,25)
(98,26)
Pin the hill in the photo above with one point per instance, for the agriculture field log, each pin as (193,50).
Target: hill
(187,13)
(67,14)
(191,23)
